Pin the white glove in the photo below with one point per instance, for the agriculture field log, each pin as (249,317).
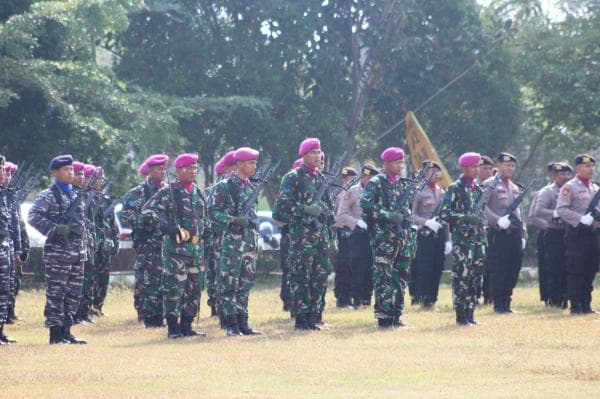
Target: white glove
(433,225)
(587,219)
(555,214)
(448,248)
(523,243)
(361,224)
(504,222)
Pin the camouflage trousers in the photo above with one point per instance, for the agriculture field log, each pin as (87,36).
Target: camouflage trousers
(236,272)
(212,249)
(100,286)
(14,281)
(5,292)
(391,263)
(64,280)
(182,279)
(147,296)
(284,291)
(87,291)
(309,267)
(467,273)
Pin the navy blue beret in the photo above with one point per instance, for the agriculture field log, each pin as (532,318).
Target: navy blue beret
(60,161)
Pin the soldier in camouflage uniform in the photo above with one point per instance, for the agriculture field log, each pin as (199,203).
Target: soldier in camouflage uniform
(213,235)
(236,270)
(89,266)
(107,247)
(468,238)
(14,243)
(392,238)
(179,212)
(147,242)
(58,215)
(309,242)
(5,288)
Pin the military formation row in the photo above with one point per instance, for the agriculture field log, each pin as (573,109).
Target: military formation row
(384,233)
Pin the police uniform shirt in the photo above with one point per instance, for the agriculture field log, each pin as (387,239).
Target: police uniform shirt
(574,199)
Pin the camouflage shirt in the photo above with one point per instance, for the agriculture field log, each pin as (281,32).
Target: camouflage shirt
(187,210)
(227,200)
(459,201)
(378,199)
(45,214)
(14,227)
(130,215)
(4,219)
(298,188)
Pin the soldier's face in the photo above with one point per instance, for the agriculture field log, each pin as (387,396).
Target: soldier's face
(246,168)
(585,170)
(507,169)
(551,176)
(157,172)
(99,180)
(562,177)
(187,174)
(312,159)
(64,175)
(470,172)
(78,179)
(394,167)
(485,172)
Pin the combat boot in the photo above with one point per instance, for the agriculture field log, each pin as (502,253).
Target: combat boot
(499,306)
(356,303)
(173,331)
(302,323)
(4,340)
(67,336)
(56,336)
(397,322)
(245,329)
(186,327)
(461,318)
(470,316)
(10,316)
(233,328)
(385,323)
(507,308)
(312,322)
(586,308)
(213,311)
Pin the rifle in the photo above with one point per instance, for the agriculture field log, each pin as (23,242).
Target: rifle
(592,207)
(184,235)
(248,205)
(327,181)
(340,188)
(27,188)
(69,216)
(517,201)
(484,197)
(417,184)
(22,175)
(261,172)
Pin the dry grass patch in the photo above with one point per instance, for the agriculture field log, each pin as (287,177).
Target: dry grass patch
(537,353)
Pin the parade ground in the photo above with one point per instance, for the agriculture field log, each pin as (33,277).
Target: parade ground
(536,353)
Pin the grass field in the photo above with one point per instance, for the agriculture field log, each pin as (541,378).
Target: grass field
(537,353)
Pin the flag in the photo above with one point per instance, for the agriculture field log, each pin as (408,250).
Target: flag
(421,149)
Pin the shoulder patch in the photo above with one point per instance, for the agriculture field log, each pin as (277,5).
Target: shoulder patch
(565,191)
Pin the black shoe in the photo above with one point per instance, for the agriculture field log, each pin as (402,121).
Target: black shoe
(414,301)
(366,302)
(385,323)
(302,323)
(342,303)
(4,340)
(233,328)
(397,322)
(67,336)
(56,336)
(487,301)
(470,316)
(173,331)
(213,311)
(507,308)
(587,309)
(461,318)
(186,327)
(150,322)
(287,307)
(245,329)
(312,322)
(427,305)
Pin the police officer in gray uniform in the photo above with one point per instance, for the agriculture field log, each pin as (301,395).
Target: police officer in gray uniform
(544,211)
(581,237)
(506,235)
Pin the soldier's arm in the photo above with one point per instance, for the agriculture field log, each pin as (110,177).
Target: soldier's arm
(218,209)
(38,214)
(289,205)
(563,207)
(15,228)
(490,215)
(369,203)
(449,212)
(154,215)
(132,204)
